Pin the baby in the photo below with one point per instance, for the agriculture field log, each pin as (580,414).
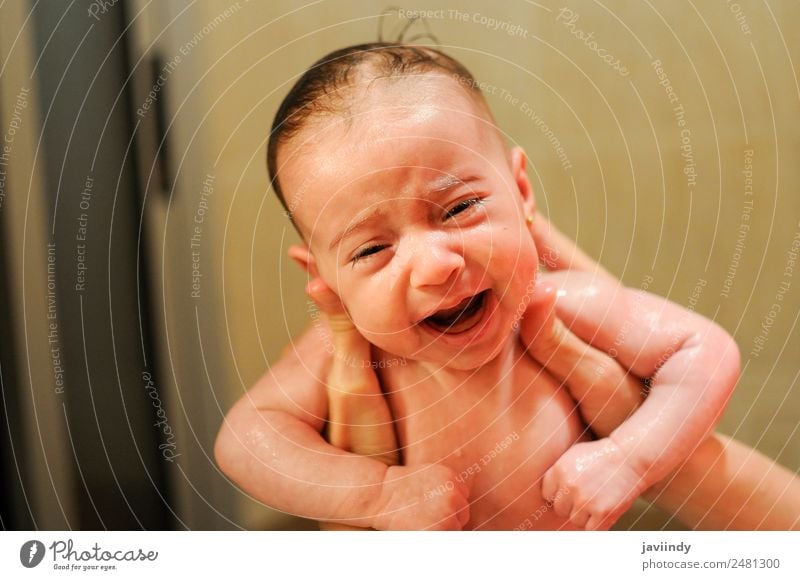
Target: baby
(419,220)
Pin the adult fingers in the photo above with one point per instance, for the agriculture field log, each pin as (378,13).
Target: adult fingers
(606,392)
(558,252)
(579,518)
(359,418)
(347,342)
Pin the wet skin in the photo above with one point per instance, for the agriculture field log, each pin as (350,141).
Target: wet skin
(414,211)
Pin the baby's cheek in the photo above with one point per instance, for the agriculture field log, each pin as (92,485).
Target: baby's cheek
(524,266)
(371,314)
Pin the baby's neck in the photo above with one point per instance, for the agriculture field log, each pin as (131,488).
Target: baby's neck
(422,385)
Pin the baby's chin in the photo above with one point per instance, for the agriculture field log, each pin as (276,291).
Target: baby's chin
(459,359)
(469,357)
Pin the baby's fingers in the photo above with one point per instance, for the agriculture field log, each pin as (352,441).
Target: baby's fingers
(580,518)
(555,494)
(549,485)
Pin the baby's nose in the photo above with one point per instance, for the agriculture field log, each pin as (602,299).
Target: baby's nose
(434,264)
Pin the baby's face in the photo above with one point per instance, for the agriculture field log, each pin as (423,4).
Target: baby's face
(415,216)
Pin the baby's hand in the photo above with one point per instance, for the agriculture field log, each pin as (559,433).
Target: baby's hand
(422,497)
(592,484)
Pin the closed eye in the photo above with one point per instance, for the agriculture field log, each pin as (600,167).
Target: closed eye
(368,251)
(462,206)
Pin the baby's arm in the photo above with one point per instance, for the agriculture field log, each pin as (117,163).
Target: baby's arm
(271,445)
(693,365)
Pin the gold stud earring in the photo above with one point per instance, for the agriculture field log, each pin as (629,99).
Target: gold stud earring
(529,220)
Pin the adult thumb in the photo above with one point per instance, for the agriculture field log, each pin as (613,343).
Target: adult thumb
(346,339)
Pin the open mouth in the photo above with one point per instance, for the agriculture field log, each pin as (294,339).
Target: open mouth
(461,317)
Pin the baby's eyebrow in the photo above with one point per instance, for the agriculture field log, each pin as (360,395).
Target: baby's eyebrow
(374,215)
(452,181)
(439,186)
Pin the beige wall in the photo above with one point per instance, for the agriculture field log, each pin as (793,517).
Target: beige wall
(619,187)
(50,495)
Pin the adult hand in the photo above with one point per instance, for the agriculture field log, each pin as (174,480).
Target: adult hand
(747,491)
(606,392)
(723,484)
(359,419)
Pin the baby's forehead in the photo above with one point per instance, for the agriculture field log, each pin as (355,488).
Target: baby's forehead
(411,130)
(387,94)
(383,108)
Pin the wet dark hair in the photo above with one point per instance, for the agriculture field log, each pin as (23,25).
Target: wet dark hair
(322,88)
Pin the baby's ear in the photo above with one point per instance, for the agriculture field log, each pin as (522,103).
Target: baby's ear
(520,175)
(304,258)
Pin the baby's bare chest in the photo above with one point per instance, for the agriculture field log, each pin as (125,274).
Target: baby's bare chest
(498,439)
